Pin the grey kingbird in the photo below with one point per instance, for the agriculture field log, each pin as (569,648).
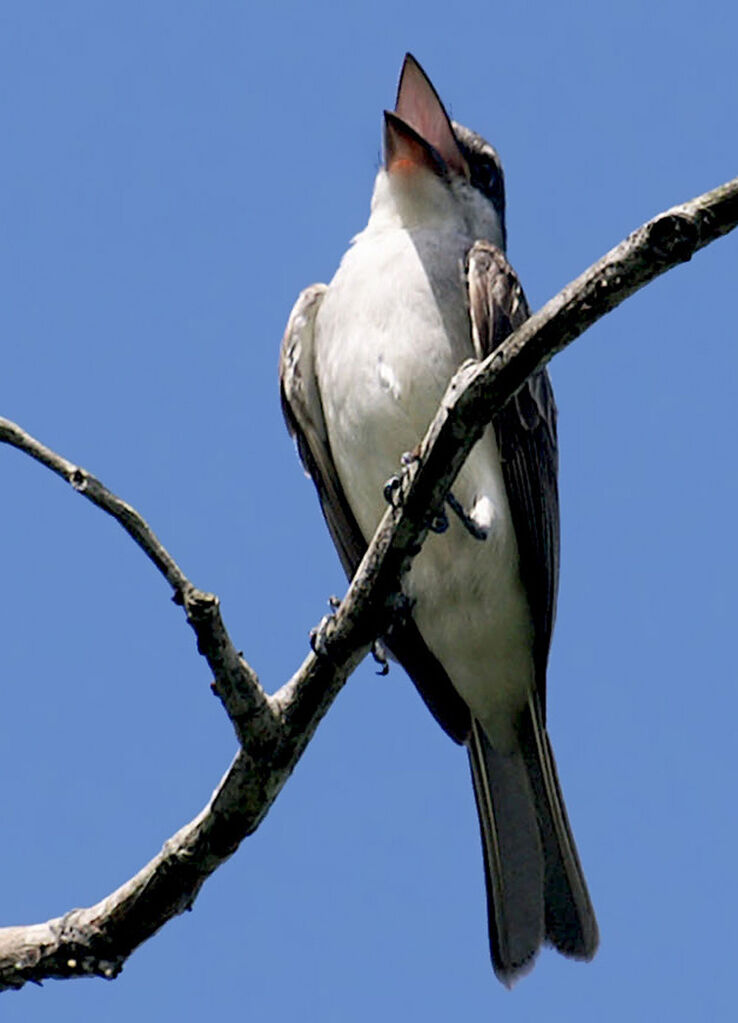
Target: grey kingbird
(364,364)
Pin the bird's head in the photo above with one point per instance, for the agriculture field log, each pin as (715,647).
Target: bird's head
(431,163)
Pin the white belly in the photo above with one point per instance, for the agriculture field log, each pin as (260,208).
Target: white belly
(384,356)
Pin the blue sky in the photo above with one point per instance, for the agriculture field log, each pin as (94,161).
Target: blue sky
(172,175)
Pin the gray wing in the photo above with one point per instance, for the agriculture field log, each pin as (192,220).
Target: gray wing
(303,412)
(526,436)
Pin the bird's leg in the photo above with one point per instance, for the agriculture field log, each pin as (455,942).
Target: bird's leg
(396,486)
(439,522)
(319,634)
(477,529)
(379,653)
(392,491)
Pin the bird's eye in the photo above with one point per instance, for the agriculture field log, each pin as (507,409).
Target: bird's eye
(487,178)
(491,175)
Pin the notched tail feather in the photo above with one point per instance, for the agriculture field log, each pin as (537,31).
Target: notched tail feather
(536,890)
(571,926)
(513,856)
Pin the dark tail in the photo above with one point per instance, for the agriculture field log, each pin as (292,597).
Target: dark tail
(536,890)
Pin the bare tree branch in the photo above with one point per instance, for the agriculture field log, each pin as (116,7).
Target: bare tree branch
(274,730)
(236,683)
(91,488)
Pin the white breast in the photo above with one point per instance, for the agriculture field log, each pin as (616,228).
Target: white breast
(384,355)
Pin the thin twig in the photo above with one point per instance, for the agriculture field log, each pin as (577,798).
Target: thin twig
(235,682)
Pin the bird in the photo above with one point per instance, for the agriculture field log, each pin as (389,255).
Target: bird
(364,363)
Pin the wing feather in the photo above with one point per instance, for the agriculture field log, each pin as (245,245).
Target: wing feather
(526,436)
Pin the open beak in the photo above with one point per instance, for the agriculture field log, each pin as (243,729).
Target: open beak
(419,133)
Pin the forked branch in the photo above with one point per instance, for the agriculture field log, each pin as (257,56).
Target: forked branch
(273,731)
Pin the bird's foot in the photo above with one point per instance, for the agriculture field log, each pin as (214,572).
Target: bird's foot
(379,653)
(439,523)
(396,486)
(319,635)
(393,491)
(470,524)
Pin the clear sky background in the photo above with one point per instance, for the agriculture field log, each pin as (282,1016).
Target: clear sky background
(172,174)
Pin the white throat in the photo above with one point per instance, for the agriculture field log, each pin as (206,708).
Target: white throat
(421,199)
